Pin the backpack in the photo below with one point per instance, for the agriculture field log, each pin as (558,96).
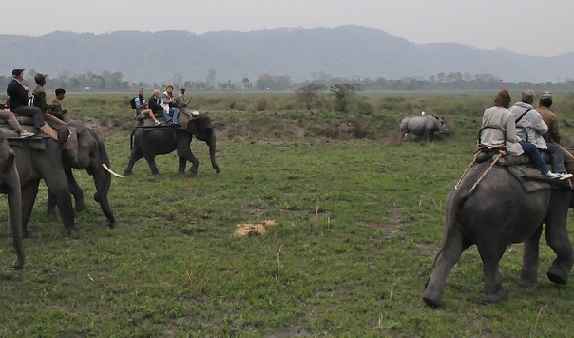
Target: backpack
(133,103)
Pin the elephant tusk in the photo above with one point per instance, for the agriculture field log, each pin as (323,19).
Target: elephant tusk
(111,171)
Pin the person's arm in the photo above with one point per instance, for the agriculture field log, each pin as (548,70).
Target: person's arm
(538,123)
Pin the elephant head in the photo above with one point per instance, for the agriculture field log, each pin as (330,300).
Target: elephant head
(10,185)
(91,156)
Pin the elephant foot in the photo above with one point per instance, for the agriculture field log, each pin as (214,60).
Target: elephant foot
(194,171)
(432,298)
(527,283)
(71,229)
(528,280)
(112,225)
(495,297)
(155,173)
(18,265)
(557,276)
(434,303)
(128,173)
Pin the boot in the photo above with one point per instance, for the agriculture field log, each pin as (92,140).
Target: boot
(49,131)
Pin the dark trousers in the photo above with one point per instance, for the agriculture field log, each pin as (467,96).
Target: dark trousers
(534,155)
(34,112)
(556,156)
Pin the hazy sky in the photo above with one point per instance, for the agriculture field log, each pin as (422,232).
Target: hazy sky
(532,27)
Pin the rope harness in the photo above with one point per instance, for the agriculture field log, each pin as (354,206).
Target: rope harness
(481,148)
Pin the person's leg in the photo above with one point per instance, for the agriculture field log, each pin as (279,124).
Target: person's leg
(557,157)
(534,155)
(11,119)
(166,116)
(34,112)
(175,114)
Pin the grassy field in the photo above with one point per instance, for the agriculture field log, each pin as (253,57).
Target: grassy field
(354,218)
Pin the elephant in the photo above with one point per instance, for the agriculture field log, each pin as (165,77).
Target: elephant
(40,158)
(423,125)
(491,208)
(10,185)
(147,142)
(92,157)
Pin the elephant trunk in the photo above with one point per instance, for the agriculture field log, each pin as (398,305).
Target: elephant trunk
(15,204)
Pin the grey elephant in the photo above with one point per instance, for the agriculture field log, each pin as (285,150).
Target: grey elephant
(147,142)
(92,157)
(10,185)
(41,159)
(423,125)
(492,214)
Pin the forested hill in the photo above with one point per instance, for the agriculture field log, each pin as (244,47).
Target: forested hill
(347,51)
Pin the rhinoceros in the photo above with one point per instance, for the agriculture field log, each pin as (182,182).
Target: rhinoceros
(423,125)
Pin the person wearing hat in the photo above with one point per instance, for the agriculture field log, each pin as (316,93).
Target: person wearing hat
(18,103)
(530,127)
(552,136)
(40,101)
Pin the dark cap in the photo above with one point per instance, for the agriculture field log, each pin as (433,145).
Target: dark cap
(39,77)
(17,71)
(546,96)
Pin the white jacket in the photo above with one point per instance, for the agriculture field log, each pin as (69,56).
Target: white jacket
(531,126)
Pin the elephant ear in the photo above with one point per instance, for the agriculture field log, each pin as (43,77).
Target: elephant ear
(8,165)
(205,123)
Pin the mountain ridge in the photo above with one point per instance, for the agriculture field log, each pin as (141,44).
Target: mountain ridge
(346,51)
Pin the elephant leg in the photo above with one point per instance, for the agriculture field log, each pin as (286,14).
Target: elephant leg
(444,261)
(150,159)
(530,259)
(491,252)
(557,237)
(29,192)
(15,207)
(58,186)
(185,154)
(75,190)
(135,156)
(102,181)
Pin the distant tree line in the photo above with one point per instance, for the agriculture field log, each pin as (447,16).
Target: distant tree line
(114,81)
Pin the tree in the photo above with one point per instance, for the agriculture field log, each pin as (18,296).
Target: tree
(307,93)
(343,93)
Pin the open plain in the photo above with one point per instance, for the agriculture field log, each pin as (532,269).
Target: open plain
(352,219)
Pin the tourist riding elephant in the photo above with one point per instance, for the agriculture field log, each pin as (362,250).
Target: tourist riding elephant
(10,185)
(423,125)
(36,159)
(492,209)
(91,156)
(147,142)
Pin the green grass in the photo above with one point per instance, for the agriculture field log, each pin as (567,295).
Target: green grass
(358,223)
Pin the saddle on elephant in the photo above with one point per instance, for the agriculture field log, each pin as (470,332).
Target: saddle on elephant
(57,129)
